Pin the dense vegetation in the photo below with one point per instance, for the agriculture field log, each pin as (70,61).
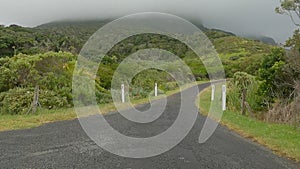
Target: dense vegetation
(20,74)
(45,56)
(275,91)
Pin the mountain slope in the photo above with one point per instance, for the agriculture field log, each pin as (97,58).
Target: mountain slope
(70,36)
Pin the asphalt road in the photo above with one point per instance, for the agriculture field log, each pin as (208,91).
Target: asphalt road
(65,145)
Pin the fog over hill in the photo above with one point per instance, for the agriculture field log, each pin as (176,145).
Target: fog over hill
(244,18)
(94,24)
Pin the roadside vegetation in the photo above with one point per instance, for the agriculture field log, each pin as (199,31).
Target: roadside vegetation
(263,91)
(264,105)
(282,139)
(272,93)
(44,115)
(49,64)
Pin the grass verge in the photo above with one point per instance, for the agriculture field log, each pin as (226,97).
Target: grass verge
(282,139)
(43,116)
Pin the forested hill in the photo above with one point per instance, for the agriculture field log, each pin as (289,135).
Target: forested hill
(234,51)
(56,36)
(70,36)
(61,36)
(46,56)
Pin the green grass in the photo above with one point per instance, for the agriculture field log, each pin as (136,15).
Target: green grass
(283,140)
(43,116)
(13,122)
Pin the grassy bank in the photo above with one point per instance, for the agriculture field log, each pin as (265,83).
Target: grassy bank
(284,140)
(43,116)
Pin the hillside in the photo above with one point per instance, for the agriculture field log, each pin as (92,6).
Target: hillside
(70,36)
(46,56)
(265,39)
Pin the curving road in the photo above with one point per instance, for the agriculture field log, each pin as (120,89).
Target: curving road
(65,145)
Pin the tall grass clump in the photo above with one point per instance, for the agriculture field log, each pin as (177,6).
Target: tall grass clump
(234,96)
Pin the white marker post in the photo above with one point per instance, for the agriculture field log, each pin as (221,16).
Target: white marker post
(224,97)
(155,90)
(213,91)
(123,93)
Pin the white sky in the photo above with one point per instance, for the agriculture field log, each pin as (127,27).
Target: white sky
(238,16)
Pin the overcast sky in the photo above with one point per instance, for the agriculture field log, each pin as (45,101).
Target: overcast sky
(238,16)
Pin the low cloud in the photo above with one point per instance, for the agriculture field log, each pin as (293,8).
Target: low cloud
(254,17)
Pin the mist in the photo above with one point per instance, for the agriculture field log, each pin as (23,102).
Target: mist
(242,17)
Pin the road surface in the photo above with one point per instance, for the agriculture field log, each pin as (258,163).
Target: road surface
(65,145)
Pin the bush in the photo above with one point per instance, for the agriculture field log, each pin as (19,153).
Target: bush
(274,76)
(52,100)
(235,92)
(103,98)
(169,86)
(20,74)
(16,101)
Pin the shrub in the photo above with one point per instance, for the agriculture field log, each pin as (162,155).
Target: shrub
(251,85)
(16,101)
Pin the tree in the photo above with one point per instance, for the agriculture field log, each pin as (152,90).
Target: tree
(290,8)
(287,85)
(242,80)
(274,76)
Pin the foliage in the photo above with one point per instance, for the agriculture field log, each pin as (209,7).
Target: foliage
(243,81)
(239,54)
(25,61)
(283,139)
(71,36)
(18,100)
(290,7)
(20,74)
(274,76)
(143,83)
(293,58)
(280,73)
(15,101)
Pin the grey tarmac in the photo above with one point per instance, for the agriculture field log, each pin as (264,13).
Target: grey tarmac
(65,145)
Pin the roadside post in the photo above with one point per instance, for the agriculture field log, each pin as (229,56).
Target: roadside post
(155,90)
(123,93)
(224,97)
(213,89)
